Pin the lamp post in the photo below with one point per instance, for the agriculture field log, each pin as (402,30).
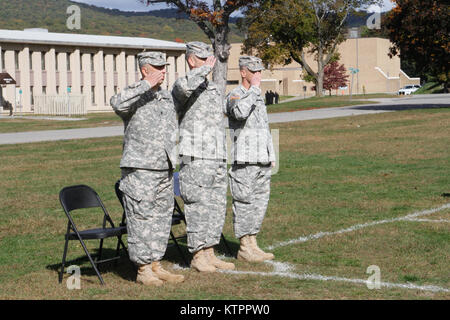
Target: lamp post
(354,33)
(69,89)
(353,71)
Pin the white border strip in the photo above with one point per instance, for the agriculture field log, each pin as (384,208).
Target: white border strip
(285,270)
(319,277)
(357,227)
(428,220)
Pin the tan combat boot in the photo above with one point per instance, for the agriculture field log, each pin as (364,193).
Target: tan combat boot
(165,275)
(201,263)
(146,276)
(216,262)
(258,251)
(246,251)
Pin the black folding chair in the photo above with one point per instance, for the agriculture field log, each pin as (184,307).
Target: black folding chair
(81,197)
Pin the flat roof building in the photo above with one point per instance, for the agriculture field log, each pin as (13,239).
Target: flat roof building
(94,67)
(377,72)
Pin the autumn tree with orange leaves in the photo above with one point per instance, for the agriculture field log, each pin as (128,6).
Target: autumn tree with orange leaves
(213,19)
(420,33)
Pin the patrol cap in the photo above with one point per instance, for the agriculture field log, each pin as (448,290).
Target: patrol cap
(155,58)
(251,63)
(200,49)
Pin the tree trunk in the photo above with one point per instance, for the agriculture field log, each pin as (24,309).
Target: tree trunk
(320,67)
(319,84)
(222,52)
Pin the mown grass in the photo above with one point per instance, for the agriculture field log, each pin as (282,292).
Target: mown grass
(333,174)
(9,125)
(17,124)
(325,102)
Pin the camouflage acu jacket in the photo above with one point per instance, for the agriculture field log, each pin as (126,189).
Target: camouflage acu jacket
(249,124)
(200,108)
(151,127)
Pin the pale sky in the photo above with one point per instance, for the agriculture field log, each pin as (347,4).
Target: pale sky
(135,5)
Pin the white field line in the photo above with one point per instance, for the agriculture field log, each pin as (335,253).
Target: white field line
(427,220)
(318,277)
(357,227)
(285,270)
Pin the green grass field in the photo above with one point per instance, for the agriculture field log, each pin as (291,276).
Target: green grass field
(8,125)
(325,102)
(334,174)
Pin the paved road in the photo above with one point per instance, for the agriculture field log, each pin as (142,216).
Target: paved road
(382,105)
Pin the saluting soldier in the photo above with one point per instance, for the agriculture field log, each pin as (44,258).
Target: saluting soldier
(253,157)
(203,178)
(147,163)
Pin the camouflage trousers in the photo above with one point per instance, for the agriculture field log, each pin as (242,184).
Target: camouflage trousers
(203,187)
(250,189)
(148,201)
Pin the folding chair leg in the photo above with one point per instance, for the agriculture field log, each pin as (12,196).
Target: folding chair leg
(119,240)
(178,247)
(92,262)
(63,260)
(120,243)
(226,244)
(100,249)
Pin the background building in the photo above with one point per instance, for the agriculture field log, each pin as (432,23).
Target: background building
(377,72)
(60,73)
(59,65)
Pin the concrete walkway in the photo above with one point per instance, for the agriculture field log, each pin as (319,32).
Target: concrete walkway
(383,105)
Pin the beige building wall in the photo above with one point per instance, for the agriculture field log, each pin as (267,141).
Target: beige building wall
(377,72)
(43,69)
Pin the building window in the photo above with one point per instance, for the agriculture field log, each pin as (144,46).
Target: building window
(16,59)
(43,67)
(68,62)
(93,95)
(44,90)
(3,59)
(114,62)
(31,95)
(104,91)
(57,90)
(92,62)
(30,56)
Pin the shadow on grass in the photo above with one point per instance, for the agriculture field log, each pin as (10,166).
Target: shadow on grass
(124,268)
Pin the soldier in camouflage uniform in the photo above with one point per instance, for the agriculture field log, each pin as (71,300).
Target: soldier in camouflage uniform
(147,165)
(202,147)
(252,158)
